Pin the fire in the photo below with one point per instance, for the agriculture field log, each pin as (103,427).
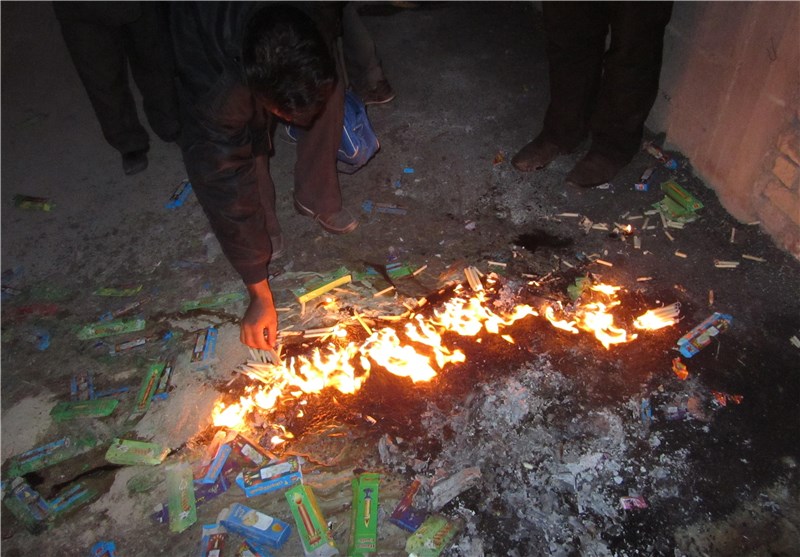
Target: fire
(418,351)
(654,319)
(596,317)
(233,416)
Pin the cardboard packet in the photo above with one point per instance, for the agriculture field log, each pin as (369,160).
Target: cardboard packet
(97,408)
(433,537)
(405,515)
(364,515)
(132,453)
(180,497)
(311,525)
(213,541)
(255,526)
(276,475)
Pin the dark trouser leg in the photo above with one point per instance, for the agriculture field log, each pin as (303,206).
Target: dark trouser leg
(316,181)
(152,67)
(266,189)
(99,57)
(576,34)
(630,79)
(360,55)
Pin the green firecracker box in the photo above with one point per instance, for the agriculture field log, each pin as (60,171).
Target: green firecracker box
(132,453)
(364,515)
(147,390)
(311,525)
(96,408)
(50,454)
(110,328)
(180,497)
(433,537)
(216,301)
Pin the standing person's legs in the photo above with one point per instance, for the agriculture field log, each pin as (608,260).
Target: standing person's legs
(316,181)
(99,57)
(630,80)
(152,67)
(576,33)
(364,68)
(631,71)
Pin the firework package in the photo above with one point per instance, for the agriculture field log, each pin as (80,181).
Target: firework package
(134,453)
(364,515)
(251,451)
(148,388)
(49,454)
(205,349)
(97,408)
(433,537)
(276,475)
(311,525)
(213,541)
(698,338)
(405,515)
(214,469)
(180,497)
(202,494)
(255,526)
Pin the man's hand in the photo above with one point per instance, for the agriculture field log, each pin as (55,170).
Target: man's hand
(259,317)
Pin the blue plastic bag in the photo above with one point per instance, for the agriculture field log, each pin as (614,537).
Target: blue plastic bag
(359,142)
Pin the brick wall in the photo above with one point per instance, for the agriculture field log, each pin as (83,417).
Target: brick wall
(730,101)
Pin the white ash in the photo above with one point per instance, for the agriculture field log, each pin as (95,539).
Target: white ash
(552,469)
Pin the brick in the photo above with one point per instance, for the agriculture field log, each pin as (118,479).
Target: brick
(788,202)
(786,171)
(789,145)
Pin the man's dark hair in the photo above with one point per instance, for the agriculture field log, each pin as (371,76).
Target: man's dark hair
(287,62)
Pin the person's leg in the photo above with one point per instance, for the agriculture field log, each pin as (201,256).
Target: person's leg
(152,67)
(316,181)
(267,192)
(364,68)
(575,33)
(631,71)
(98,54)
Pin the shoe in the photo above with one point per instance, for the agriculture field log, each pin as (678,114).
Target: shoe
(134,162)
(336,223)
(536,155)
(278,247)
(380,94)
(592,170)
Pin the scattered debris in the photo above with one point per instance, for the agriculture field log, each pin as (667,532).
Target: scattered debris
(33,203)
(180,195)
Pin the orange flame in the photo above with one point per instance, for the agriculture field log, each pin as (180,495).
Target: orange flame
(419,355)
(654,319)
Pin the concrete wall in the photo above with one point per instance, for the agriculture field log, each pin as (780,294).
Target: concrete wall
(730,101)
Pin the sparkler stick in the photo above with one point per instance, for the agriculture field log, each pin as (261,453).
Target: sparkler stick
(363,324)
(382,292)
(472,278)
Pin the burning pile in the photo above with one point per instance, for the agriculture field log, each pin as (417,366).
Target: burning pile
(418,351)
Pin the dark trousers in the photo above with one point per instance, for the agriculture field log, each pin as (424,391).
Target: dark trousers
(364,69)
(102,49)
(316,181)
(608,93)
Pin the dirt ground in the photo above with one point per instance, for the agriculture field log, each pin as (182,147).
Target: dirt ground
(553,422)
